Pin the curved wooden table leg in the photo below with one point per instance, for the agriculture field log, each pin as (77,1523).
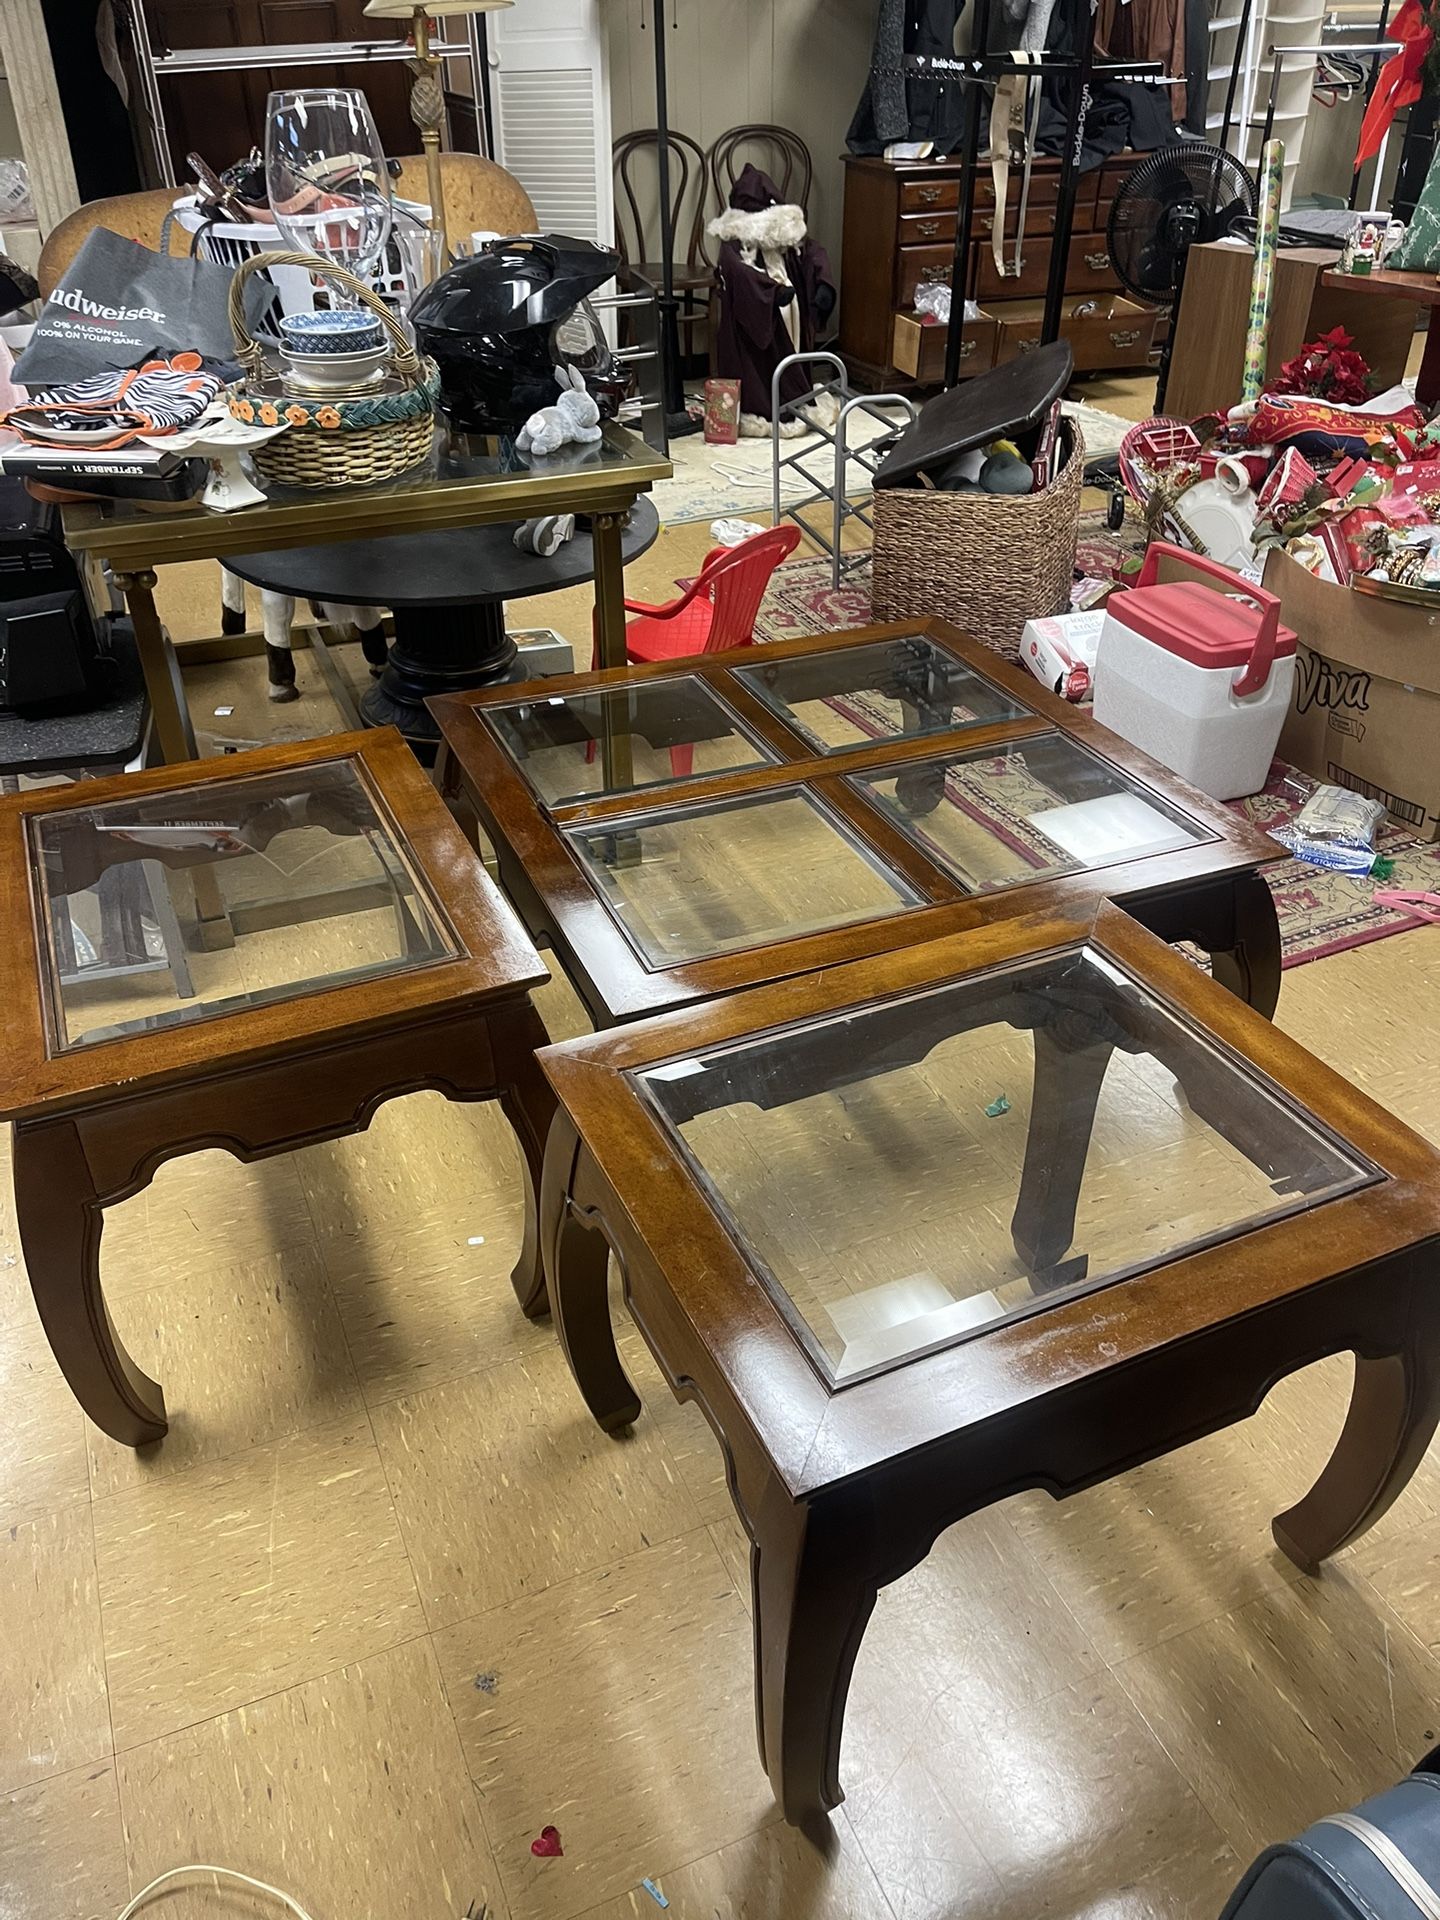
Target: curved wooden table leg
(1394,1411)
(1062,1116)
(1251,968)
(60,1219)
(577,1259)
(814,1593)
(529,1105)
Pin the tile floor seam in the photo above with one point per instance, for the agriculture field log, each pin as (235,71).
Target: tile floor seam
(475,1793)
(274,1693)
(589,1573)
(213,1461)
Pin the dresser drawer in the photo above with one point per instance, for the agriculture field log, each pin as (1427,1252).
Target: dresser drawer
(1108,332)
(930,196)
(920,229)
(919,350)
(1088,270)
(1044,188)
(1038,220)
(922,263)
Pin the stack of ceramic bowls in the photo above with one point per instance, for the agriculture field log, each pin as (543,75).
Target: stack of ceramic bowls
(333,351)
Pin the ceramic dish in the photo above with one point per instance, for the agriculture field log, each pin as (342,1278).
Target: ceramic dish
(323,372)
(347,331)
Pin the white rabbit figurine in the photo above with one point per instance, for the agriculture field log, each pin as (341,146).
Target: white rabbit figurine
(574,417)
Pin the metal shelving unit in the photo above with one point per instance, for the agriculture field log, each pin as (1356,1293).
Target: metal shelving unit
(154,67)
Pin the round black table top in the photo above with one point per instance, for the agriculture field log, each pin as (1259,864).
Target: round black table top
(460,567)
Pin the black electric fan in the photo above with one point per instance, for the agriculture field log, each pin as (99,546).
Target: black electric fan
(1173,201)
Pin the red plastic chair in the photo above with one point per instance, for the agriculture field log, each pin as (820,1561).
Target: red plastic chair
(717,610)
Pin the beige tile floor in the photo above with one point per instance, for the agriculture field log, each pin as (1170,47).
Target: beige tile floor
(385,1603)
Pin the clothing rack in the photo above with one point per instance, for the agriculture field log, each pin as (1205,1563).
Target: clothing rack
(977,70)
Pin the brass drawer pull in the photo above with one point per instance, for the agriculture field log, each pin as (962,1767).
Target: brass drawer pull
(967,347)
(927,229)
(1129,339)
(1098,262)
(1027,346)
(929,196)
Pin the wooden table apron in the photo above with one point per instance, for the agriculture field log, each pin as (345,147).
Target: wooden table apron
(843,1492)
(134,547)
(92,1124)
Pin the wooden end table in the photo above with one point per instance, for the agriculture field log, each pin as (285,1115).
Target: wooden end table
(371,957)
(1019,1209)
(681,830)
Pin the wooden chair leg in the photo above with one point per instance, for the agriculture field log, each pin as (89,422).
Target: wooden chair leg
(60,1220)
(814,1592)
(577,1261)
(1062,1117)
(1394,1411)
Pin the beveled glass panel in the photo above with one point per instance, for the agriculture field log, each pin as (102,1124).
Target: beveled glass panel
(887,690)
(312,885)
(907,1174)
(623,739)
(1033,808)
(686,885)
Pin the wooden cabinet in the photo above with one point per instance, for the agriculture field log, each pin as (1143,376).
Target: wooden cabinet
(900,224)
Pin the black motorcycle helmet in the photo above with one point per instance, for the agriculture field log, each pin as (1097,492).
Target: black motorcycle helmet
(499,324)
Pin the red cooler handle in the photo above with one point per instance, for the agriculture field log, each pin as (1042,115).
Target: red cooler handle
(1262,654)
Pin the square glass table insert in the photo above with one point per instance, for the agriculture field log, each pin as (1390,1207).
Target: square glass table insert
(997,816)
(869,1163)
(658,731)
(308,867)
(712,879)
(886,690)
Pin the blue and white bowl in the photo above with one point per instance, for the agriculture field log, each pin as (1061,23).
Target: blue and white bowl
(348,330)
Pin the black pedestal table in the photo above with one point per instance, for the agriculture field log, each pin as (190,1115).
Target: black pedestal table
(447,591)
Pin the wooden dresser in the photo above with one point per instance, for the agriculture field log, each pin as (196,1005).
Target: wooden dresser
(900,220)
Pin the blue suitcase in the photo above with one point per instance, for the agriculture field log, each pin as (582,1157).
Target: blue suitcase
(1379,1862)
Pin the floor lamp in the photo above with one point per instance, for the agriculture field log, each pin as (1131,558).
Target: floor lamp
(427,95)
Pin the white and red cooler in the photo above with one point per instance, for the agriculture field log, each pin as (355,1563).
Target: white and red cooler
(1199,680)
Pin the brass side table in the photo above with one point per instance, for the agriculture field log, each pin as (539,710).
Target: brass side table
(371,957)
(461,486)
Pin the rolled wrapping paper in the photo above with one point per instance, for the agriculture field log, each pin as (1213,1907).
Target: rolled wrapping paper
(1262,285)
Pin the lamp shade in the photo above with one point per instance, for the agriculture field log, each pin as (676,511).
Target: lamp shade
(436,9)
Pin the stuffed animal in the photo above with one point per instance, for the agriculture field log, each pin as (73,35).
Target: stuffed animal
(574,417)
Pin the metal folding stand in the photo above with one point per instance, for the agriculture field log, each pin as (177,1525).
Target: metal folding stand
(842,508)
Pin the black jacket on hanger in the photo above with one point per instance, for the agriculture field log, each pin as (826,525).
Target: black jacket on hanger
(897,105)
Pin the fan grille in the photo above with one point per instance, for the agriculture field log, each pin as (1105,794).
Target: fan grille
(1174,200)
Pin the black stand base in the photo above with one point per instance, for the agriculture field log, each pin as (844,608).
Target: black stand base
(437,650)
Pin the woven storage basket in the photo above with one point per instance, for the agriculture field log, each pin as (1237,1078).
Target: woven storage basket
(338,442)
(986,561)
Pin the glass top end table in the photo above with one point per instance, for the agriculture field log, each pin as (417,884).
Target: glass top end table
(871,1164)
(926,756)
(896,688)
(310,875)
(1020,1208)
(252,953)
(573,746)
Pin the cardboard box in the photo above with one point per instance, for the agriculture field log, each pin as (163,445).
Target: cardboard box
(1366,712)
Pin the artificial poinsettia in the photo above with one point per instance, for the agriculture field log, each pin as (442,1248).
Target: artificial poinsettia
(1327,369)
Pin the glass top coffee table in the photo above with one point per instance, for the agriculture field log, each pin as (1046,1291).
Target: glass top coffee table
(685,829)
(350,948)
(1016,1209)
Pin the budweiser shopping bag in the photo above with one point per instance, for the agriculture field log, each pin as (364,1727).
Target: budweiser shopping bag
(121,303)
